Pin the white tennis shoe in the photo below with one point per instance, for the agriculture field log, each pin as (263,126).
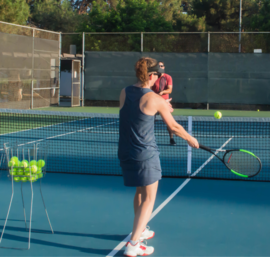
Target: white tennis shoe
(147,234)
(138,249)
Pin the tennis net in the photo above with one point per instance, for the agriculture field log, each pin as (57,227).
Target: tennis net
(87,143)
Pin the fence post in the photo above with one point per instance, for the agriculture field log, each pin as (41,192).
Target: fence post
(141,41)
(32,84)
(208,49)
(59,72)
(189,157)
(83,57)
(240,25)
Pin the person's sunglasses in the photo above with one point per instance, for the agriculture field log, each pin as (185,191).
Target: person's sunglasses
(157,74)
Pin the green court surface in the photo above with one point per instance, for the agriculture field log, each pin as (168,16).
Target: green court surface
(177,112)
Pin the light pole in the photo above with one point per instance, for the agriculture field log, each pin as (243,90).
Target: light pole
(240,25)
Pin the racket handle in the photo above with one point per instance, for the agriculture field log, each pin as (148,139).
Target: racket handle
(205,148)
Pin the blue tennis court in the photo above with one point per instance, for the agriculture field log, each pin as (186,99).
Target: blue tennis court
(92,214)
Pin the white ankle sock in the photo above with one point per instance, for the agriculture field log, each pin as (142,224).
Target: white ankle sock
(133,242)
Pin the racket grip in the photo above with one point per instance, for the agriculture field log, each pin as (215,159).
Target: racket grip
(205,148)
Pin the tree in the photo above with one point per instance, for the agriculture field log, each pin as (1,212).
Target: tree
(83,6)
(55,15)
(14,11)
(223,14)
(188,23)
(129,16)
(261,20)
(169,8)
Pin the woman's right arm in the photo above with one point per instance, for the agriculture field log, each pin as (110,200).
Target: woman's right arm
(178,130)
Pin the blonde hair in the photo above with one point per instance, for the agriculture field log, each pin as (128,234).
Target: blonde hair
(141,68)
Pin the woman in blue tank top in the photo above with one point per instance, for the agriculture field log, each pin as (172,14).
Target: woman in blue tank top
(138,152)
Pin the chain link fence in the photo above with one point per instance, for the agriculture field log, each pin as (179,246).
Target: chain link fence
(29,67)
(178,42)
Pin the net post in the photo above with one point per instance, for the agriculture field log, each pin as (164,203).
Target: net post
(83,57)
(141,41)
(189,156)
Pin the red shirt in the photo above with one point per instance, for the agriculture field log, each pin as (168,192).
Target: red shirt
(162,84)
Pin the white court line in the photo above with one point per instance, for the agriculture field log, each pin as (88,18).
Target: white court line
(197,135)
(160,207)
(65,134)
(42,127)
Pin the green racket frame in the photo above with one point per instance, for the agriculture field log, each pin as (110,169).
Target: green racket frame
(212,151)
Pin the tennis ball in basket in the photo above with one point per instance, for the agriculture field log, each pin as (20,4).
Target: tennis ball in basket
(13,173)
(24,179)
(11,163)
(34,169)
(218,115)
(24,164)
(15,158)
(40,175)
(33,179)
(27,173)
(33,163)
(39,171)
(17,179)
(20,173)
(41,163)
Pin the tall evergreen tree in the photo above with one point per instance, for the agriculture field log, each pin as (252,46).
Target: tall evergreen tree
(261,20)
(55,15)
(223,15)
(14,11)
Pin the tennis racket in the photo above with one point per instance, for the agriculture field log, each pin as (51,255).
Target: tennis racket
(240,162)
(162,83)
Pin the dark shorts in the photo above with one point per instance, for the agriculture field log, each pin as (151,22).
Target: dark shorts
(138,174)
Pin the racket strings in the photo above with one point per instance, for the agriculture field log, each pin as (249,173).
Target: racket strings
(242,163)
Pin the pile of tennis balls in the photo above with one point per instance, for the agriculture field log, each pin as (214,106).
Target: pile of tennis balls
(25,171)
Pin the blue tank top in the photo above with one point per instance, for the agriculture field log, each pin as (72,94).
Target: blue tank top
(137,140)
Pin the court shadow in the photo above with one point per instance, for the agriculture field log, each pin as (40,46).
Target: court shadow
(98,236)
(17,220)
(53,244)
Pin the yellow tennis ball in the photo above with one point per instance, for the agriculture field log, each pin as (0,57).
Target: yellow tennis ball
(258,110)
(34,169)
(11,163)
(41,163)
(14,158)
(218,115)
(24,179)
(24,164)
(33,162)
(17,179)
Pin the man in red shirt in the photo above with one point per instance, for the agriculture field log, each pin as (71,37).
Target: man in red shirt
(163,86)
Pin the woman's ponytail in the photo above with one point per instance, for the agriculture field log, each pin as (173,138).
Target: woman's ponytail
(141,68)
